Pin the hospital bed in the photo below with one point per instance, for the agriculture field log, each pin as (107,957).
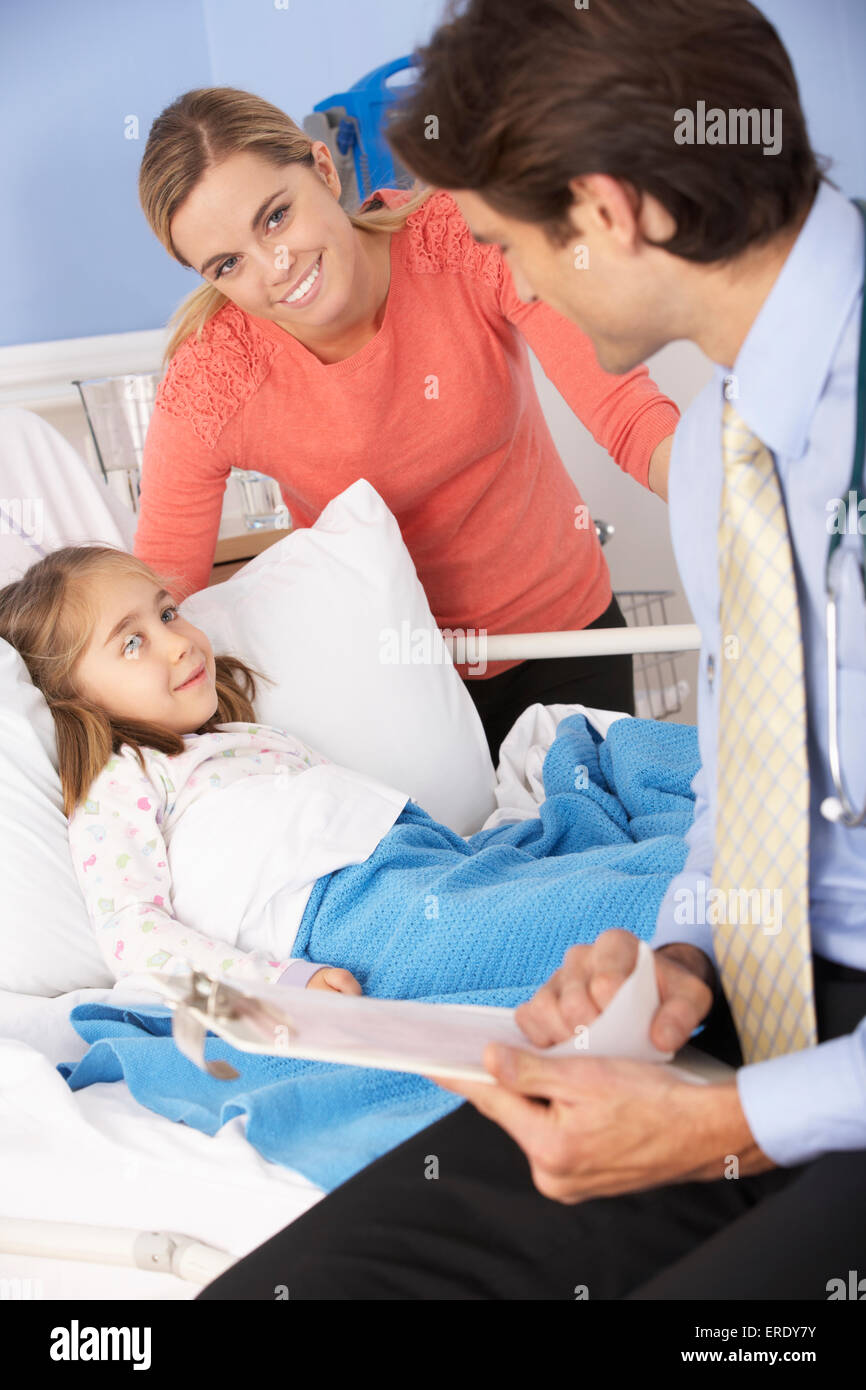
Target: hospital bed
(105,1199)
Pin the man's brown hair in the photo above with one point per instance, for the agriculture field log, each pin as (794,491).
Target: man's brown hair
(529,94)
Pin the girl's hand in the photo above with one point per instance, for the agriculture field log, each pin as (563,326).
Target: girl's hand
(337,981)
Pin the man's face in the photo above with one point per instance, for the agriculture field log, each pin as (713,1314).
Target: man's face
(139,670)
(604,278)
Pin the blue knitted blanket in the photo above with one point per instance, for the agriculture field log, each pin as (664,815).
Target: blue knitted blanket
(430,915)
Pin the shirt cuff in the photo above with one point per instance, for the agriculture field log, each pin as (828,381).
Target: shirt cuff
(682,916)
(807,1103)
(297,973)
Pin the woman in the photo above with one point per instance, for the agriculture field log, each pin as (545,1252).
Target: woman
(387,345)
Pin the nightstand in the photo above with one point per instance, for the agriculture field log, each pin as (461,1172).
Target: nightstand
(233,552)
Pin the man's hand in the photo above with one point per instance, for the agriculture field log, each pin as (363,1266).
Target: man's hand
(334,979)
(604,1126)
(590,976)
(597,1126)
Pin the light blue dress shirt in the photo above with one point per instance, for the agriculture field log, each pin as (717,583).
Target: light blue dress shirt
(795,385)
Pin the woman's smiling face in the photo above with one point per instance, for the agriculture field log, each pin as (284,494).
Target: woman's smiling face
(258,232)
(140,655)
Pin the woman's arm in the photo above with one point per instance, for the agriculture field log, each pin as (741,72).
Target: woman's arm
(660,467)
(183,481)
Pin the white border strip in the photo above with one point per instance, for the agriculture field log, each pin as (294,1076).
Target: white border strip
(35,375)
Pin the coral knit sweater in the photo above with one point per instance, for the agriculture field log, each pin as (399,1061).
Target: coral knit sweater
(438,411)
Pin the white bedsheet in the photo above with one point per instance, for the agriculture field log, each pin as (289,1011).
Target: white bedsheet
(519,787)
(96,1156)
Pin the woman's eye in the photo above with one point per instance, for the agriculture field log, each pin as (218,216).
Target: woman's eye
(277,212)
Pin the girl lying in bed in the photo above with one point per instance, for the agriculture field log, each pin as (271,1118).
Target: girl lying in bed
(201,836)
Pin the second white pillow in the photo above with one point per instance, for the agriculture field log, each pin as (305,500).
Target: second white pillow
(324,612)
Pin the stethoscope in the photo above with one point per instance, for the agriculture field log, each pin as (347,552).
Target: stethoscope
(840,807)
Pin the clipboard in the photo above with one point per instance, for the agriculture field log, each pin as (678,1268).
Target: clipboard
(446,1040)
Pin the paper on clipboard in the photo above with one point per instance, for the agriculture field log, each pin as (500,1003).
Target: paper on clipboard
(446,1040)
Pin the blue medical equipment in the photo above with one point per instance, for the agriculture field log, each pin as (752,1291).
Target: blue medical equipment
(352,125)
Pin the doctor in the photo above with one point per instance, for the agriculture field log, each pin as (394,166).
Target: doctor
(603,1175)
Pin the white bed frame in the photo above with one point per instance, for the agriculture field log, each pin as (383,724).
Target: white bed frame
(170,1252)
(598,641)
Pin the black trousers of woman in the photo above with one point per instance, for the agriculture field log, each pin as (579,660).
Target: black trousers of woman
(481,1230)
(601,682)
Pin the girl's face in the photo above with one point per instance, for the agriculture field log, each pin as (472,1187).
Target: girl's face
(262,235)
(141,655)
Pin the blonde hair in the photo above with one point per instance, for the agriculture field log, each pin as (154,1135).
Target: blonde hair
(48,616)
(201,129)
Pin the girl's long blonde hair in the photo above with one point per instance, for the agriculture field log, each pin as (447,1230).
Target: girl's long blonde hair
(48,616)
(198,131)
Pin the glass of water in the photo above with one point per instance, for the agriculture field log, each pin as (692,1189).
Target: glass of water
(261,501)
(118,410)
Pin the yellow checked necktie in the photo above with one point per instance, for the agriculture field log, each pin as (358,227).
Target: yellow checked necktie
(762,814)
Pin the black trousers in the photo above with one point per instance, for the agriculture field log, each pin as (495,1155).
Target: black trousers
(481,1230)
(602,682)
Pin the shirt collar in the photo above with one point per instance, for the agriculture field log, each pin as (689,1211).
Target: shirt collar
(783,364)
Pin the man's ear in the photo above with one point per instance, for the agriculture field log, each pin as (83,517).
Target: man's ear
(606,206)
(615,207)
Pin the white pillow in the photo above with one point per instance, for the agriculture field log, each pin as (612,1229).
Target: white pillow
(46,941)
(49,497)
(321,611)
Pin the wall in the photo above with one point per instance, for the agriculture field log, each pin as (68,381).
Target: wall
(74,81)
(78,256)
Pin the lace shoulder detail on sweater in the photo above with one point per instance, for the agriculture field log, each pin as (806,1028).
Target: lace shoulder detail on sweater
(211,377)
(439,239)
